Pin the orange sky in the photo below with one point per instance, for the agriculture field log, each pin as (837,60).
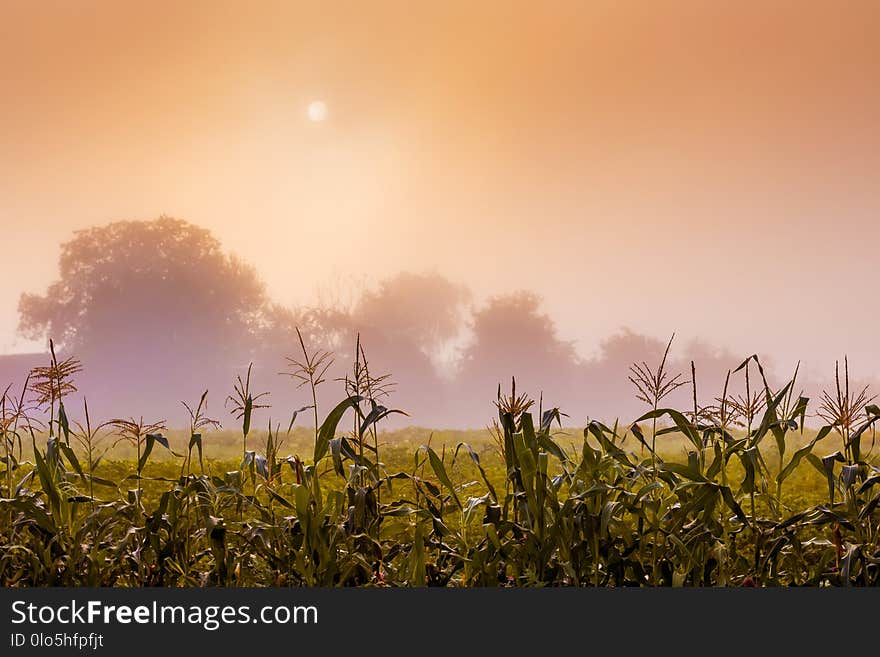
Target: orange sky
(705,167)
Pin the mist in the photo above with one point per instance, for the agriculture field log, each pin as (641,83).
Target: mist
(602,174)
(158,312)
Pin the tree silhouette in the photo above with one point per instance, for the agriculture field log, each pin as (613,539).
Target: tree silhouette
(129,279)
(424,309)
(155,308)
(511,329)
(513,338)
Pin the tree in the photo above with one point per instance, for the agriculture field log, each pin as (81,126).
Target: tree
(129,280)
(611,394)
(424,309)
(511,331)
(607,389)
(513,338)
(154,309)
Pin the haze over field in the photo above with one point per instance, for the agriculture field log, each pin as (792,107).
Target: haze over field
(705,168)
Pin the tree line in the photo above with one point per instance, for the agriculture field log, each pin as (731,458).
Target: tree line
(158,311)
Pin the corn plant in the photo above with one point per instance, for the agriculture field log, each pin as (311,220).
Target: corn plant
(198,423)
(709,504)
(142,436)
(51,385)
(244,403)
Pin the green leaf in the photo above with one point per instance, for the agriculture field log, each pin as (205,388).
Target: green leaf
(681,422)
(151,440)
(336,455)
(686,471)
(734,506)
(828,467)
(195,440)
(440,472)
(856,437)
(378,413)
(849,474)
(47,480)
(799,455)
(278,498)
(476,460)
(328,428)
(71,457)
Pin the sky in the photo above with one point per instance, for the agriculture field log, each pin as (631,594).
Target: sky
(709,168)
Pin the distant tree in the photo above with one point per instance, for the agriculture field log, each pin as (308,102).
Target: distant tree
(156,310)
(611,393)
(424,309)
(511,332)
(618,350)
(141,283)
(606,385)
(513,338)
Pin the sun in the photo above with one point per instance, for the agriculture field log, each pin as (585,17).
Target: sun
(317,111)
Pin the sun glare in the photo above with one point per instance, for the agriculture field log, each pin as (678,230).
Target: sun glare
(317,111)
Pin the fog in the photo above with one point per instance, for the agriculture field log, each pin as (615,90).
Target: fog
(701,168)
(157,312)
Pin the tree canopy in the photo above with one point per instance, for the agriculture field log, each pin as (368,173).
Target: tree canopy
(130,280)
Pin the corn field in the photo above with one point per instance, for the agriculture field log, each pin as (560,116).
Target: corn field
(614,508)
